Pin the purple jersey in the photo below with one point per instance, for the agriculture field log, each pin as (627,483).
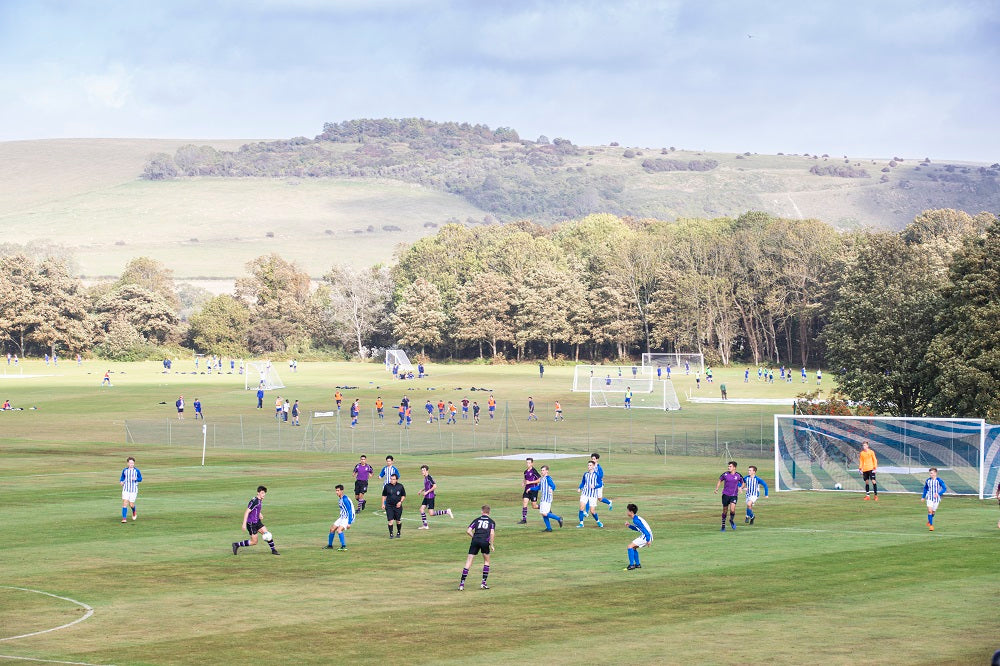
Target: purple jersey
(531,474)
(428,484)
(731,483)
(254,506)
(363,472)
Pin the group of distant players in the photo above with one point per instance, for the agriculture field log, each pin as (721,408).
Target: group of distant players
(538,489)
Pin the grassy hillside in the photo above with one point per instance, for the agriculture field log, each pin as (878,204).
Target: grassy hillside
(87,194)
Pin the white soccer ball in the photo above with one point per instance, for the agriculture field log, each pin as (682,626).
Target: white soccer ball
(266,535)
(837,486)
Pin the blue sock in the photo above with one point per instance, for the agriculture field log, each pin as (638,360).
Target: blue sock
(636,551)
(930,518)
(583,514)
(342,542)
(124,512)
(596,518)
(548,525)
(329,540)
(631,555)
(605,500)
(555,517)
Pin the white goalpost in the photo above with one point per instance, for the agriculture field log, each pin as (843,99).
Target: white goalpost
(397,358)
(645,393)
(261,374)
(678,362)
(582,374)
(821,452)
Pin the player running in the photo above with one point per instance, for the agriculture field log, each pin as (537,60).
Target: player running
(362,472)
(253,523)
(588,494)
(733,481)
(546,490)
(530,494)
(596,457)
(752,484)
(427,504)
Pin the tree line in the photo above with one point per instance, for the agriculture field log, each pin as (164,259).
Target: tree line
(908,321)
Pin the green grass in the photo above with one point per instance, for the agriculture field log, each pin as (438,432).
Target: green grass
(821,577)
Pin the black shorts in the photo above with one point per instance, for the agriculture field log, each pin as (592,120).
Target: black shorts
(428,502)
(393,512)
(530,495)
(253,528)
(360,487)
(729,499)
(869,475)
(477,547)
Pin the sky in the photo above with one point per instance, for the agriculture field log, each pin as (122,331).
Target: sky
(908,78)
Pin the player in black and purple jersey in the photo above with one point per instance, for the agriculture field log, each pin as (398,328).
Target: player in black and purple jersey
(253,522)
(362,472)
(483,532)
(731,482)
(530,494)
(427,504)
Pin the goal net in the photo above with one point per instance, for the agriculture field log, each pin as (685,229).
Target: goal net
(686,363)
(397,358)
(261,375)
(820,452)
(645,393)
(582,374)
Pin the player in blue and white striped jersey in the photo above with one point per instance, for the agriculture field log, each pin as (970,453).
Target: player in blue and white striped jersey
(130,479)
(546,489)
(389,469)
(933,489)
(751,485)
(588,493)
(344,521)
(596,457)
(637,524)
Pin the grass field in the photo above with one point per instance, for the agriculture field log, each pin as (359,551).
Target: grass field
(820,577)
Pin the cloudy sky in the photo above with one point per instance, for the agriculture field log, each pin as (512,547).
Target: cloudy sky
(878,78)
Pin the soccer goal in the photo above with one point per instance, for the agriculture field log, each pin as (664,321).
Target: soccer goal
(582,374)
(261,375)
(821,452)
(647,393)
(397,358)
(686,363)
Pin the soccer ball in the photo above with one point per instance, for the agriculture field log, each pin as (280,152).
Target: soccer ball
(837,486)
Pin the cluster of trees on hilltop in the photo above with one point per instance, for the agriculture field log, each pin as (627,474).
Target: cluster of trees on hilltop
(908,321)
(493,169)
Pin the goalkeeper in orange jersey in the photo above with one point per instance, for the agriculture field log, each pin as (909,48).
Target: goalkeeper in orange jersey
(867,465)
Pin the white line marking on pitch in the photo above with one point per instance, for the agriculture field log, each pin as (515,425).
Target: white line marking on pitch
(90,611)
(50,661)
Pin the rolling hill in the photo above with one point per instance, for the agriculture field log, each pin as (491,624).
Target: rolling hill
(342,199)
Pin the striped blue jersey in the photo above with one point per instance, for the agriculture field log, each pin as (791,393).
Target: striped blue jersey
(589,484)
(753,484)
(386,472)
(933,489)
(600,475)
(640,525)
(347,509)
(545,490)
(131,478)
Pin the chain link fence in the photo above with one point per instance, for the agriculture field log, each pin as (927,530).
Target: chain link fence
(747,432)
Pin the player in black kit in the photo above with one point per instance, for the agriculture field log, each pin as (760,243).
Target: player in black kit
(483,531)
(393,495)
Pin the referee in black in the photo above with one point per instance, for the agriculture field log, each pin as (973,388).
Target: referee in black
(483,532)
(394,494)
